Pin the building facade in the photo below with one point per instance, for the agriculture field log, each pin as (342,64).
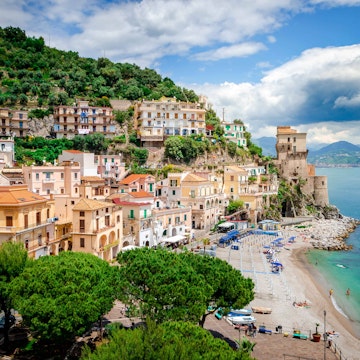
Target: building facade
(97,228)
(27,218)
(156,120)
(83,119)
(292,163)
(47,180)
(235,133)
(13,122)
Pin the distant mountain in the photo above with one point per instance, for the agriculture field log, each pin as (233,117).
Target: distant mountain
(267,144)
(341,153)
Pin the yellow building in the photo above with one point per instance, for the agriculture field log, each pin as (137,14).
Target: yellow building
(158,119)
(235,182)
(28,218)
(191,190)
(97,228)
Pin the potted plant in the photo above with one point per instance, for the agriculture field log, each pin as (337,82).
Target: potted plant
(316,335)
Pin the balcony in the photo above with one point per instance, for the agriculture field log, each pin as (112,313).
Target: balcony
(49,180)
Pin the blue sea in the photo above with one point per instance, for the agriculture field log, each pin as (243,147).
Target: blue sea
(340,270)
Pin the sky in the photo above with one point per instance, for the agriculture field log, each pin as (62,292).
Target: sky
(267,62)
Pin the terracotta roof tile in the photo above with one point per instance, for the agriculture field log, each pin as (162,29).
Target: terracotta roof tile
(14,195)
(140,194)
(90,204)
(133,177)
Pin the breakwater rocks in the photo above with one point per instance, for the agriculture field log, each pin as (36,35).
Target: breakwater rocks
(330,234)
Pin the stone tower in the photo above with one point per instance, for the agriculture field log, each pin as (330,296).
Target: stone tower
(292,164)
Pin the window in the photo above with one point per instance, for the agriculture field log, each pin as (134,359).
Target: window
(174,192)
(232,189)
(118,218)
(231,178)
(38,218)
(9,221)
(82,226)
(37,176)
(173,182)
(107,220)
(192,193)
(145,213)
(131,215)
(48,213)
(26,221)
(75,175)
(201,207)
(62,176)
(185,217)
(82,213)
(82,242)
(40,240)
(169,221)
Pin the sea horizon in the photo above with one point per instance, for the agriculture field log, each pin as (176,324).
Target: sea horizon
(338,270)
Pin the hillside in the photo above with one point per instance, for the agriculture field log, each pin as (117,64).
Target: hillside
(34,75)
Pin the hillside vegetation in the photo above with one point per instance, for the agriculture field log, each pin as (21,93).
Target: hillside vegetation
(33,74)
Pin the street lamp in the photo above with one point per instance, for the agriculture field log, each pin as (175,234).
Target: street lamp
(325,335)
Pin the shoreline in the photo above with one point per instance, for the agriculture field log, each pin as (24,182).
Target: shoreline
(300,281)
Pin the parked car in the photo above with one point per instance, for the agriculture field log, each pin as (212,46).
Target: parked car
(11,321)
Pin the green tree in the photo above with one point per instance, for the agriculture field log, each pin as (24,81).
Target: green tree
(173,148)
(167,286)
(228,288)
(59,297)
(171,340)
(158,284)
(13,257)
(235,205)
(231,148)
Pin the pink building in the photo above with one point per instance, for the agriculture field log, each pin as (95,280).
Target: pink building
(63,179)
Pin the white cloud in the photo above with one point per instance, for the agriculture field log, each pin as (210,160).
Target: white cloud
(226,52)
(312,88)
(135,29)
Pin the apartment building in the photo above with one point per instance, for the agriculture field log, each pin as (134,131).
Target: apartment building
(110,167)
(235,132)
(13,122)
(7,153)
(190,190)
(83,119)
(235,182)
(27,218)
(47,180)
(137,182)
(97,228)
(86,160)
(137,222)
(94,187)
(158,119)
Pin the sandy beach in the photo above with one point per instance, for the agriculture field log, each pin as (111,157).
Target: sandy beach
(297,285)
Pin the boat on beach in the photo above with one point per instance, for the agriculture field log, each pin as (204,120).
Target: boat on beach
(261,310)
(241,320)
(240,312)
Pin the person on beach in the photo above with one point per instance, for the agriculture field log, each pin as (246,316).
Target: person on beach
(331,291)
(348,292)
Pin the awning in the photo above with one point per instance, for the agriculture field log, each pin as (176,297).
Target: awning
(226,225)
(174,239)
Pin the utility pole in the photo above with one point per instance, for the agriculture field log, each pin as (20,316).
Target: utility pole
(325,335)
